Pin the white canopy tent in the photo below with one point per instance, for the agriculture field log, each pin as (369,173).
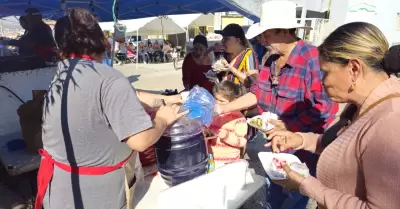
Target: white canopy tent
(147,26)
(172,24)
(193,19)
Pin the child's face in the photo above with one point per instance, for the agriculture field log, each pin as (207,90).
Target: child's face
(220,99)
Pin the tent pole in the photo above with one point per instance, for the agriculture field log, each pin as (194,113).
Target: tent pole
(64,7)
(1,27)
(137,48)
(113,45)
(115,28)
(187,33)
(303,19)
(329,9)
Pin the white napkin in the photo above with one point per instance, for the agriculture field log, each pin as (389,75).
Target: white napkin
(268,116)
(277,173)
(218,64)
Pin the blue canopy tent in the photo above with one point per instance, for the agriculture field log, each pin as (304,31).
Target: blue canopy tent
(113,10)
(126,9)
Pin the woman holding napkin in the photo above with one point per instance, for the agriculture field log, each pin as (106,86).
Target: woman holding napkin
(241,60)
(358,166)
(195,64)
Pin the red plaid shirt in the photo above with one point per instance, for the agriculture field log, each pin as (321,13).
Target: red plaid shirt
(299,98)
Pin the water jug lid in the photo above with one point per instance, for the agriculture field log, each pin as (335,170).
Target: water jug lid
(184,127)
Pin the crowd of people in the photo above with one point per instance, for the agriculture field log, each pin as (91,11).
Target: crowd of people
(94,121)
(148,51)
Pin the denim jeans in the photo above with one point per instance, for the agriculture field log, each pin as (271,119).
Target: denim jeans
(278,198)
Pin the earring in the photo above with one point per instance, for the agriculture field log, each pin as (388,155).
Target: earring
(353,86)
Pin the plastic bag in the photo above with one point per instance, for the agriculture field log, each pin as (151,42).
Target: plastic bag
(200,104)
(119,31)
(212,76)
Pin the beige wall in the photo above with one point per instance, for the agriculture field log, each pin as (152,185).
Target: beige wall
(226,20)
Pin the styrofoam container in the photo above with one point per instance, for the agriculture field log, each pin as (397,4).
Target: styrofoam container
(264,117)
(266,161)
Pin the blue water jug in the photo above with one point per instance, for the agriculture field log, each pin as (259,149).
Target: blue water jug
(181,152)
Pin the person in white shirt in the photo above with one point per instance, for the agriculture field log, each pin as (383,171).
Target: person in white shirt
(150,50)
(143,53)
(174,54)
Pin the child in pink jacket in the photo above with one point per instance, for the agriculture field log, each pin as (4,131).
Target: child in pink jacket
(230,129)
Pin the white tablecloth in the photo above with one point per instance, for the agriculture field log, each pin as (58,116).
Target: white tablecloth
(146,192)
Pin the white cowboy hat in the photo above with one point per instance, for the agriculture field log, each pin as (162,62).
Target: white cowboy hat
(275,14)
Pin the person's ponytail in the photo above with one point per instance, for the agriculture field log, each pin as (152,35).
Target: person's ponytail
(391,60)
(246,43)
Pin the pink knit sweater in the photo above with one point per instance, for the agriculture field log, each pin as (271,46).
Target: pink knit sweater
(361,168)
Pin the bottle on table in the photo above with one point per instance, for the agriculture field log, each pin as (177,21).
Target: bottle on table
(211,164)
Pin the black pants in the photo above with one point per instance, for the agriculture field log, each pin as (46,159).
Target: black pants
(120,57)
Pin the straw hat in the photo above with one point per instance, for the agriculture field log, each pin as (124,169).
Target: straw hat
(275,14)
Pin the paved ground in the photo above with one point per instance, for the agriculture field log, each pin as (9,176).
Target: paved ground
(157,77)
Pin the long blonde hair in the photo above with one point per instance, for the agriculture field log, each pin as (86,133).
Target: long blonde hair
(357,40)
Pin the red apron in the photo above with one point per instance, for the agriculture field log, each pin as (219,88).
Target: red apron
(46,170)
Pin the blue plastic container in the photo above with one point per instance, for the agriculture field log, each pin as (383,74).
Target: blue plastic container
(181,152)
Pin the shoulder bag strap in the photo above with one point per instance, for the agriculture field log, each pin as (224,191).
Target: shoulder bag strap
(333,132)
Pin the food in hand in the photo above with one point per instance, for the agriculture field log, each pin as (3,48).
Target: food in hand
(300,168)
(278,164)
(219,64)
(277,167)
(257,122)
